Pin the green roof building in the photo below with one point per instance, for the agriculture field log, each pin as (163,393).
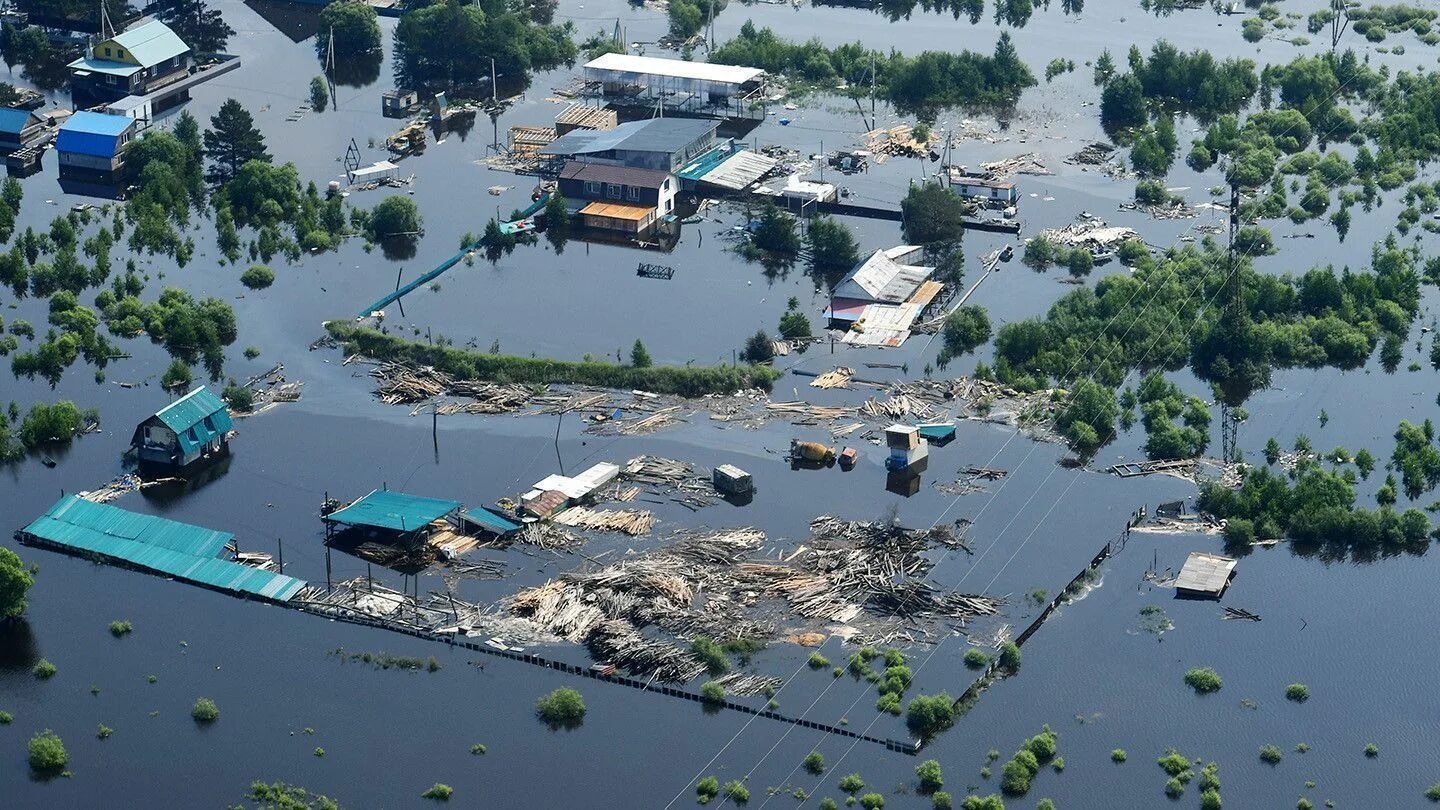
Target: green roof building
(193,427)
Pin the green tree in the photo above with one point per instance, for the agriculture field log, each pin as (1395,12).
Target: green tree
(1104,68)
(775,232)
(15,582)
(759,348)
(931,779)
(832,247)
(450,43)
(966,328)
(396,215)
(355,26)
(933,214)
(1122,103)
(639,357)
(201,27)
(47,752)
(177,376)
(232,141)
(928,715)
(319,94)
(562,707)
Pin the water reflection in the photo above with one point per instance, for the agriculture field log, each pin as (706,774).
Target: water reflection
(18,651)
(357,70)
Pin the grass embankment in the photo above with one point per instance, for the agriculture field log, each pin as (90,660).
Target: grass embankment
(469,364)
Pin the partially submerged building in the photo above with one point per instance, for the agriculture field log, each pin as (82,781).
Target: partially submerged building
(663,144)
(21,128)
(154,544)
(990,191)
(190,429)
(149,61)
(617,198)
(698,88)
(880,299)
(91,146)
(1205,576)
(398,515)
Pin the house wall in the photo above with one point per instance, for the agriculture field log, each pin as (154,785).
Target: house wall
(89,163)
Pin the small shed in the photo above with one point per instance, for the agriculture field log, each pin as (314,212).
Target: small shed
(19,128)
(488,521)
(543,503)
(398,103)
(731,480)
(193,427)
(1205,576)
(390,511)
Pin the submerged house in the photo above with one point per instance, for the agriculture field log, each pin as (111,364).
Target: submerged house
(138,62)
(882,297)
(193,427)
(617,198)
(19,129)
(663,144)
(91,146)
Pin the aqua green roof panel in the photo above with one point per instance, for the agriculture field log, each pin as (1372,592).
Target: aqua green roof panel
(196,418)
(395,511)
(158,544)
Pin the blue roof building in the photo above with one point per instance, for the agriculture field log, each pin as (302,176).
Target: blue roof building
(19,128)
(193,427)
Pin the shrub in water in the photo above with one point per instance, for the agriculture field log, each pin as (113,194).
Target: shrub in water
(439,791)
(852,784)
(120,629)
(1203,680)
(47,752)
(707,789)
(931,779)
(818,661)
(44,670)
(976,658)
(205,710)
(1270,754)
(1297,692)
(815,762)
(737,792)
(1118,755)
(562,707)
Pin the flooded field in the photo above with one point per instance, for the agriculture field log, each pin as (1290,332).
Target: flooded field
(1105,671)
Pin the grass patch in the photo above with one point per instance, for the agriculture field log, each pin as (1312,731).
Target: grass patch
(205,710)
(438,791)
(818,661)
(690,381)
(44,670)
(121,629)
(1203,680)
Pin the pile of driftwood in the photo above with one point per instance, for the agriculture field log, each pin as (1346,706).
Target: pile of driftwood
(667,478)
(271,388)
(899,405)
(839,378)
(1092,154)
(1028,163)
(633,522)
(807,410)
(403,384)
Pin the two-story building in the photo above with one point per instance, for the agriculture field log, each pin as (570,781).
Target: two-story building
(91,146)
(617,198)
(193,427)
(138,62)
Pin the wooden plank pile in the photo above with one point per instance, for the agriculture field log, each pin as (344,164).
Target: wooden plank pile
(633,522)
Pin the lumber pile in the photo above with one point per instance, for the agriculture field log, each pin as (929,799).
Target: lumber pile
(839,378)
(400,384)
(807,410)
(1028,163)
(897,406)
(649,424)
(633,522)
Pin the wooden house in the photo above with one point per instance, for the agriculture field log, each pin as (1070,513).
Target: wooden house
(193,427)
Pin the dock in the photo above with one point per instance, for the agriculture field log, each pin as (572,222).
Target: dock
(1132,469)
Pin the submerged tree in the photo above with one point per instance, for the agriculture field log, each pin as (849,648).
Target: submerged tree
(15,581)
(232,141)
(201,27)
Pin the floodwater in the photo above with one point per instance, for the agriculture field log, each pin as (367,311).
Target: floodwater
(1355,631)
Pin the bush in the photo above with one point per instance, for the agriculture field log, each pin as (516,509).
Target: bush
(6,718)
(929,715)
(1433,793)
(815,762)
(240,398)
(1172,763)
(1118,755)
(562,707)
(758,348)
(966,328)
(712,655)
(1015,777)
(1210,800)
(1042,745)
(1010,657)
(47,752)
(439,792)
(707,789)
(1270,754)
(119,629)
(178,375)
(872,801)
(44,670)
(1174,788)
(205,710)
(794,325)
(477,749)
(818,661)
(103,732)
(1372,750)
(1297,692)
(712,693)
(852,783)
(1203,680)
(940,800)
(931,778)
(975,658)
(258,277)
(736,791)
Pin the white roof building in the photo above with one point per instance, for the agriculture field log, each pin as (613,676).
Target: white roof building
(885,277)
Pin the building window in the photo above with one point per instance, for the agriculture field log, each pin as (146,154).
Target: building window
(665,185)
(107,50)
(612,191)
(592,187)
(669,205)
(632,193)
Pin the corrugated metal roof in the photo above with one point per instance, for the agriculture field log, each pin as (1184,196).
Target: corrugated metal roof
(197,418)
(651,135)
(13,121)
(489,520)
(395,511)
(152,43)
(882,279)
(92,133)
(157,544)
(621,175)
(1205,573)
(656,66)
(107,66)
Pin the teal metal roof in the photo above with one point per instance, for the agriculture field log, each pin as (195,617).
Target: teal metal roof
(152,43)
(196,418)
(158,544)
(395,511)
(106,66)
(490,520)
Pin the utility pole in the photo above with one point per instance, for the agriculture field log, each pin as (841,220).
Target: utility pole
(1339,21)
(1234,306)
